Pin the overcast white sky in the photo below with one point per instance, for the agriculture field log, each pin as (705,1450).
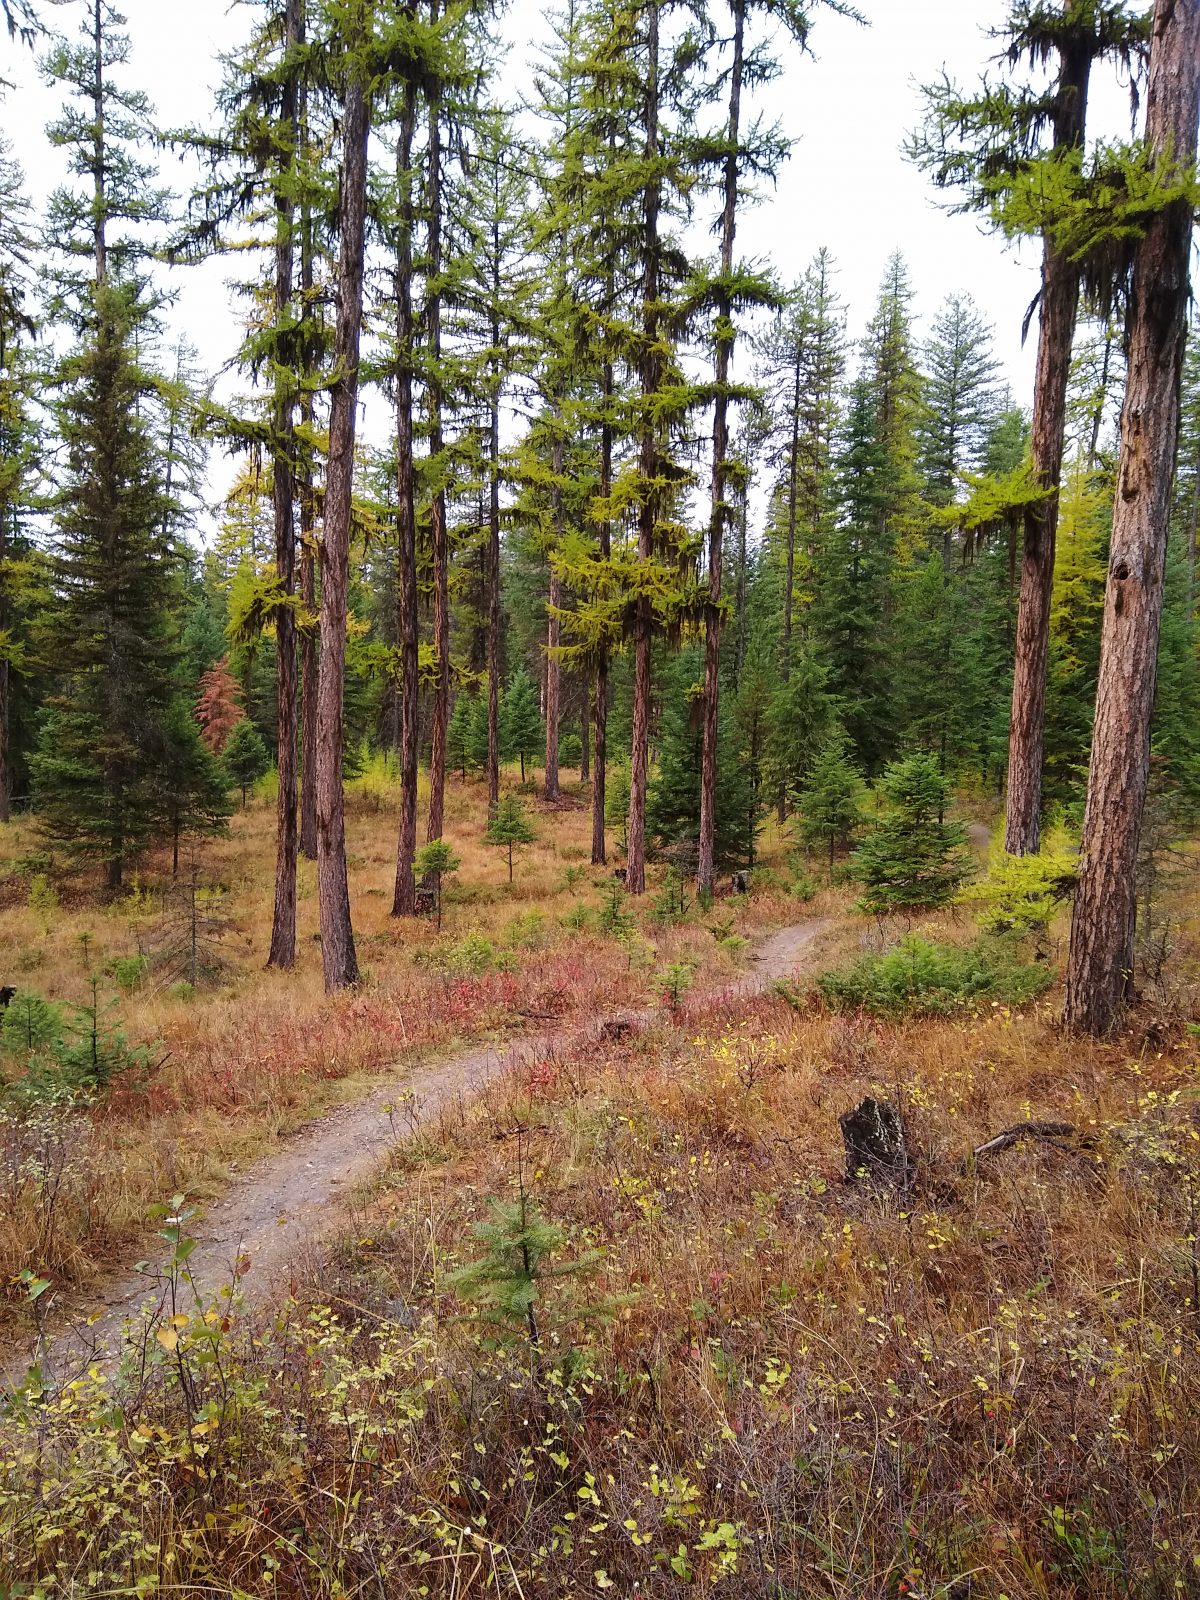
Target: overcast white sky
(847,186)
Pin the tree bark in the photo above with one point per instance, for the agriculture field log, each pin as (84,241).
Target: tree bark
(600,755)
(337,935)
(585,732)
(5,678)
(648,465)
(553,681)
(437,511)
(1100,963)
(1056,331)
(725,336)
(310,666)
(310,653)
(493,573)
(404,900)
(283,440)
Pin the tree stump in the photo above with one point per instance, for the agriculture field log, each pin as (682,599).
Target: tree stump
(876,1145)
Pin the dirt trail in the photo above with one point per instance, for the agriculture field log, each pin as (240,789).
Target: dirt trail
(292,1198)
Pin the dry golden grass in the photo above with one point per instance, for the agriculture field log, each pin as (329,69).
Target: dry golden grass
(986,1385)
(249,1060)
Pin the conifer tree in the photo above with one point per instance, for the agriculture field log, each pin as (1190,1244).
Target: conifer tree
(914,860)
(737,152)
(351,66)
(509,827)
(16,445)
(520,722)
(1003,140)
(260,171)
(110,637)
(1104,918)
(804,361)
(673,803)
(830,802)
(495,320)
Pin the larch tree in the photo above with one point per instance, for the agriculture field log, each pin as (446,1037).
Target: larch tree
(260,171)
(351,52)
(1103,924)
(989,146)
(740,152)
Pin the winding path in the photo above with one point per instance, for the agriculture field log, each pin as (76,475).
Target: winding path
(293,1197)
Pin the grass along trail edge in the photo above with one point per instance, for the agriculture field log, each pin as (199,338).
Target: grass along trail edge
(293,1198)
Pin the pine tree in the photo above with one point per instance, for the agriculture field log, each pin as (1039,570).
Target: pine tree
(1007,141)
(804,360)
(218,710)
(801,717)
(914,860)
(110,637)
(245,757)
(458,733)
(736,152)
(510,826)
(830,802)
(1104,919)
(260,171)
(16,446)
(192,793)
(520,721)
(352,69)
(673,803)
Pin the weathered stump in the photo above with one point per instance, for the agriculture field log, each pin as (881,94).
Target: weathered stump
(876,1145)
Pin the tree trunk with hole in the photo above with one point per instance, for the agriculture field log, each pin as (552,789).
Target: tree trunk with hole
(725,336)
(337,935)
(283,495)
(1100,963)
(1056,331)
(404,898)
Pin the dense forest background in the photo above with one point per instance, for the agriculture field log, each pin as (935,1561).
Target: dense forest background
(645,511)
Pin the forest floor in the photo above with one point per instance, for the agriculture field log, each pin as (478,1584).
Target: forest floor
(273,1215)
(610,1316)
(242,1061)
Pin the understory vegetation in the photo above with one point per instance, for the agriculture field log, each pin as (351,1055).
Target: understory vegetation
(624,1328)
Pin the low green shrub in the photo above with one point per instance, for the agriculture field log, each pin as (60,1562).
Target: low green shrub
(920,978)
(128,972)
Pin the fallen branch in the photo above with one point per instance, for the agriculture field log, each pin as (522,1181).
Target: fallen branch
(1048,1132)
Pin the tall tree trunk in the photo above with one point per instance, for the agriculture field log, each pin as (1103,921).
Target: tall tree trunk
(283,441)
(310,666)
(553,680)
(1056,331)
(585,731)
(648,466)
(310,651)
(493,547)
(437,511)
(725,336)
(404,900)
(600,704)
(1100,964)
(337,935)
(743,525)
(5,678)
(100,171)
